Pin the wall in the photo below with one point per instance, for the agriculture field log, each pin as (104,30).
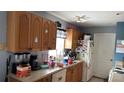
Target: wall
(3,54)
(93,30)
(105,29)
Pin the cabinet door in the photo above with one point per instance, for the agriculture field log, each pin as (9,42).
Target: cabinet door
(75,39)
(68,40)
(80,70)
(59,76)
(22,30)
(69,74)
(77,73)
(36,32)
(52,35)
(45,34)
(45,79)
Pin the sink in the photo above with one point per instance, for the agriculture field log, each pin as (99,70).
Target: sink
(44,66)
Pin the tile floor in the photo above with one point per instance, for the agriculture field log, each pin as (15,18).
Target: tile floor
(95,79)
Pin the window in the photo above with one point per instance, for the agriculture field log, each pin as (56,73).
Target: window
(60,46)
(58,53)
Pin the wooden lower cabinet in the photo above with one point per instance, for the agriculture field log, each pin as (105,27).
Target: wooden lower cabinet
(10,79)
(45,79)
(77,73)
(74,73)
(69,74)
(59,76)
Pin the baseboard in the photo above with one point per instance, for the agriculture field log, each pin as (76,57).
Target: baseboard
(105,79)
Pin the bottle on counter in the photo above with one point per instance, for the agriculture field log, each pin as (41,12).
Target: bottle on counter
(51,62)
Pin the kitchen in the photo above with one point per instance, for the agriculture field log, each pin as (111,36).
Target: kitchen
(45,36)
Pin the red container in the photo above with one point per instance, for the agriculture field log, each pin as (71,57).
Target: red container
(70,61)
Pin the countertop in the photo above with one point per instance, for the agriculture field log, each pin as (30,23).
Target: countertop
(39,74)
(116,75)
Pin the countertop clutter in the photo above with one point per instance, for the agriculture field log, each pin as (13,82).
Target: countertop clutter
(40,74)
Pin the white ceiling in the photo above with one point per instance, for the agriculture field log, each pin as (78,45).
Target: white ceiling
(96,18)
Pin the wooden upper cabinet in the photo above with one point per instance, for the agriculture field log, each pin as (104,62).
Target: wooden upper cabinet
(68,40)
(36,32)
(52,35)
(49,35)
(29,32)
(45,35)
(71,42)
(18,31)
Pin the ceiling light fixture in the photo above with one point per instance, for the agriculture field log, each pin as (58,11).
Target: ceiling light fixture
(81,18)
(117,13)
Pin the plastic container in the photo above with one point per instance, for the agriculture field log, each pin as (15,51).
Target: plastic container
(70,61)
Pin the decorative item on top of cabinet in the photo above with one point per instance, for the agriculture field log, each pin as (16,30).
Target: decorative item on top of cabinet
(18,31)
(36,32)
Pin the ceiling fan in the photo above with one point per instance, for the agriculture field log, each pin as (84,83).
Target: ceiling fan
(83,18)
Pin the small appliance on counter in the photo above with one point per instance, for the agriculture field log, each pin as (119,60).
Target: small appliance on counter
(35,65)
(17,59)
(20,59)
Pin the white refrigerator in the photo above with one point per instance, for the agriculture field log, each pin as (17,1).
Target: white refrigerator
(86,54)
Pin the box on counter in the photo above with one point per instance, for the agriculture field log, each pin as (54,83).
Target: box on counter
(23,71)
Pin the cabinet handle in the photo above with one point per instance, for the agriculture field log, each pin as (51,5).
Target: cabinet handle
(36,39)
(72,71)
(46,31)
(47,79)
(49,48)
(29,48)
(60,78)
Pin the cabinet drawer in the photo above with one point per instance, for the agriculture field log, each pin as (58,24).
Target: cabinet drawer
(59,76)
(45,79)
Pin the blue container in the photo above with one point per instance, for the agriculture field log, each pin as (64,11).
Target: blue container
(65,61)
